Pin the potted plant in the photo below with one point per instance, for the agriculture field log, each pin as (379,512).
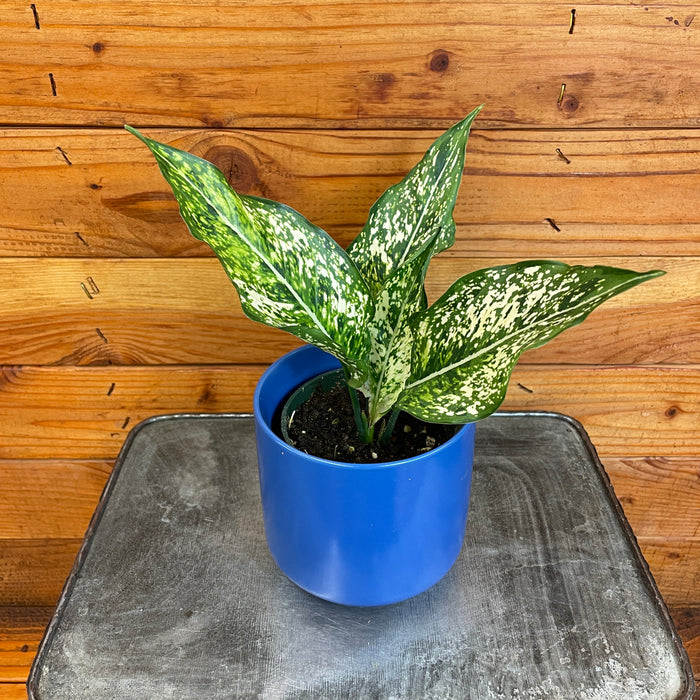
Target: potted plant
(381,531)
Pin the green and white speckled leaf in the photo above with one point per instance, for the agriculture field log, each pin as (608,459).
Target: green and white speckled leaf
(289,273)
(467,343)
(400,298)
(415,210)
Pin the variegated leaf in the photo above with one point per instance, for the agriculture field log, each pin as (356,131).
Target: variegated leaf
(467,343)
(415,210)
(289,273)
(400,298)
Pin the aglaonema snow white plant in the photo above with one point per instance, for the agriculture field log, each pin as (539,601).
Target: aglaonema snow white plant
(445,363)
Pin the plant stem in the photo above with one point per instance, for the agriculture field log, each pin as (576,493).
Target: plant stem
(389,427)
(366,431)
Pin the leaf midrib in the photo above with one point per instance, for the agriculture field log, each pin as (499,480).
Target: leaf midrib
(419,223)
(270,266)
(390,345)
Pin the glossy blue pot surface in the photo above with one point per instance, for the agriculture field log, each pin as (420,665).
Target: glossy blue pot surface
(357,534)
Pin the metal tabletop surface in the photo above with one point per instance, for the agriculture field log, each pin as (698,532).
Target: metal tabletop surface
(174,594)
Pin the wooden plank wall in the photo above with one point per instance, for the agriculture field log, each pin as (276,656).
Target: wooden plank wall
(588,150)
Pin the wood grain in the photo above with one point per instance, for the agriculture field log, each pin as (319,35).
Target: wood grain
(660,495)
(33,571)
(21,630)
(86,412)
(687,622)
(622,193)
(675,565)
(362,63)
(187,312)
(49,498)
(650,410)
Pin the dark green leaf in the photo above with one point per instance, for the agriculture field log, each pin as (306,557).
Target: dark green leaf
(415,210)
(467,343)
(289,273)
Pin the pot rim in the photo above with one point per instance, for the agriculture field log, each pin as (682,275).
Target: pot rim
(360,466)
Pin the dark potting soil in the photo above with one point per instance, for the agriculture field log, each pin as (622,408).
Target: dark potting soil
(324,426)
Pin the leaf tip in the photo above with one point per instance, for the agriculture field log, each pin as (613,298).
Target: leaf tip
(649,275)
(474,113)
(138,134)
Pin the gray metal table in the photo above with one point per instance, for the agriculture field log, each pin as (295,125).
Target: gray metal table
(174,594)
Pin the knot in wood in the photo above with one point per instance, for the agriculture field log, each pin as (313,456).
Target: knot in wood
(439,61)
(569,104)
(236,165)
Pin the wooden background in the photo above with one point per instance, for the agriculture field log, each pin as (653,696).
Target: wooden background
(588,150)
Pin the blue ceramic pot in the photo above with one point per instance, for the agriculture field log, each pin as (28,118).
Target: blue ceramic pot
(357,534)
